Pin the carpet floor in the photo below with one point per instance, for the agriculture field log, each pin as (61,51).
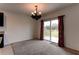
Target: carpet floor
(38,47)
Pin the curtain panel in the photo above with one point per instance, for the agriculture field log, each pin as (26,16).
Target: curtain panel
(61,31)
(41,29)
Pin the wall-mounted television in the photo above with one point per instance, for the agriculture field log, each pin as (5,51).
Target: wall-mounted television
(1,19)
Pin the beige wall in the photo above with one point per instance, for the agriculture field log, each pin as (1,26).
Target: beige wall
(18,27)
(71,24)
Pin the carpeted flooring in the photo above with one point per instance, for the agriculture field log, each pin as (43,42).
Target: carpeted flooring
(38,47)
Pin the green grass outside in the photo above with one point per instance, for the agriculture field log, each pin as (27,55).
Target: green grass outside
(54,33)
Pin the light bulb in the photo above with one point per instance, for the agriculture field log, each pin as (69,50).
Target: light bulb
(39,13)
(34,11)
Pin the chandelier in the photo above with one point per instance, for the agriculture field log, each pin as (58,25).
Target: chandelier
(36,14)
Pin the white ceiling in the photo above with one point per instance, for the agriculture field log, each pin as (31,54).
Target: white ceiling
(27,8)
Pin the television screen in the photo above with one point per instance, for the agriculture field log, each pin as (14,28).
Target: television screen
(1,19)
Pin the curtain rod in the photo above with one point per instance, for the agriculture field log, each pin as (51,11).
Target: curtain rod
(51,18)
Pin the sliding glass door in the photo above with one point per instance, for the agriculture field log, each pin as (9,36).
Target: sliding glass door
(47,30)
(51,30)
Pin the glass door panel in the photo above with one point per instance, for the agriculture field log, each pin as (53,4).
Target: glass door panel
(54,30)
(47,30)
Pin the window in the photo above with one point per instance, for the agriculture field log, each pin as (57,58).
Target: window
(51,30)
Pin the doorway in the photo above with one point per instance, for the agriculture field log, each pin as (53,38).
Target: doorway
(51,30)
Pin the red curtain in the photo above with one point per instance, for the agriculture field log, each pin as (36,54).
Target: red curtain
(61,31)
(41,30)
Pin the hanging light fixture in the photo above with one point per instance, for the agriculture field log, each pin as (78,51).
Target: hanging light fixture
(35,14)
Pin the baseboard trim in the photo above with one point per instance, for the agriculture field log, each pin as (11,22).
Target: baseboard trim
(72,50)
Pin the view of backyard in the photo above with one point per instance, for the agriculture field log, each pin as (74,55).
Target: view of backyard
(51,30)
(54,33)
